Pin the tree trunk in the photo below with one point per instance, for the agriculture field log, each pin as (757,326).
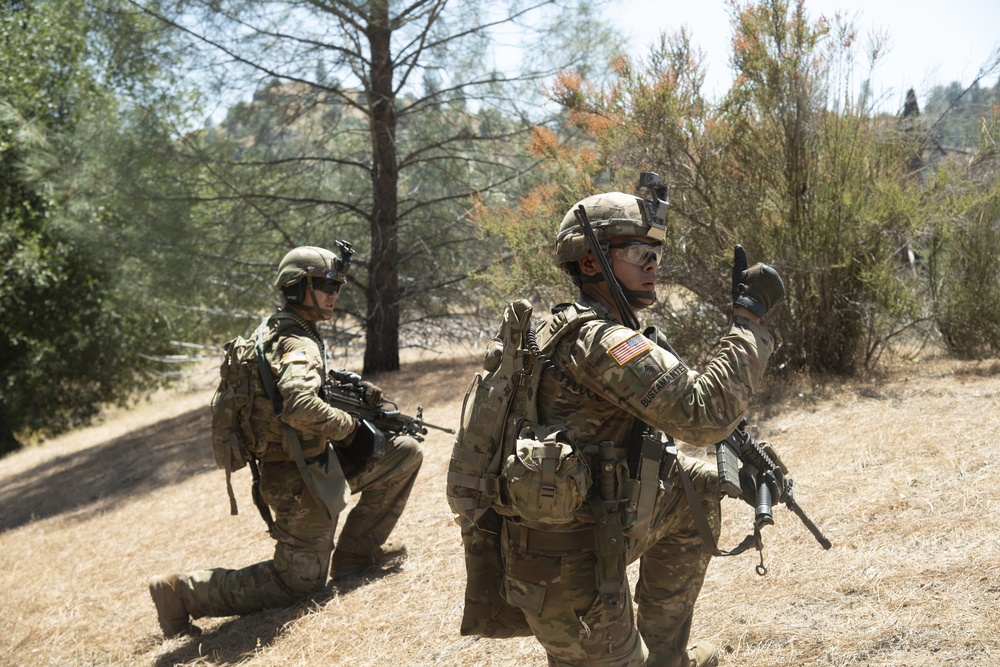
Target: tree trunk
(382,325)
(8,443)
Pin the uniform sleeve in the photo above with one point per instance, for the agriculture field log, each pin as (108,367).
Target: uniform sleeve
(652,384)
(298,369)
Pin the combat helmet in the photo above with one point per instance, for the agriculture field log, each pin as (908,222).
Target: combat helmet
(610,214)
(302,264)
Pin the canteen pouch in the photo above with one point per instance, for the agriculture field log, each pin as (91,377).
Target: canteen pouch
(546,479)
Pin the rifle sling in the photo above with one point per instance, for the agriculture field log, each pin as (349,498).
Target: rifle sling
(258,500)
(336,499)
(701,521)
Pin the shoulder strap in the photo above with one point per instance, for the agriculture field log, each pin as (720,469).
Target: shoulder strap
(266,377)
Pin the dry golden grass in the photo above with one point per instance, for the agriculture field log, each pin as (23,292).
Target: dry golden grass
(902,476)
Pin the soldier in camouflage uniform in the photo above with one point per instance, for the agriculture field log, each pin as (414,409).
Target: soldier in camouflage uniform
(605,377)
(310,279)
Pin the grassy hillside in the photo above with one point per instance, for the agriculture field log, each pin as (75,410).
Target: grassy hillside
(902,475)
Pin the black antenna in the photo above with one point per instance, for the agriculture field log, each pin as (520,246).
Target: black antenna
(624,308)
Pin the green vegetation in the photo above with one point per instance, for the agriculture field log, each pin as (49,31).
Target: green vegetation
(128,227)
(839,198)
(79,315)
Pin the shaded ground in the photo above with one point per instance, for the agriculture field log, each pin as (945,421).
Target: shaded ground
(902,475)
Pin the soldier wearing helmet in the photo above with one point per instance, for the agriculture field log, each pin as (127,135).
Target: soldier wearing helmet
(301,425)
(606,384)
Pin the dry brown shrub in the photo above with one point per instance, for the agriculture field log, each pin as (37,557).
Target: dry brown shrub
(902,476)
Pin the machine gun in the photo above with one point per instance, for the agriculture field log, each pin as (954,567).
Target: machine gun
(343,390)
(761,481)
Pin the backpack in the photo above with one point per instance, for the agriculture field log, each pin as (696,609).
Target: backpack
(499,399)
(472,483)
(233,442)
(499,402)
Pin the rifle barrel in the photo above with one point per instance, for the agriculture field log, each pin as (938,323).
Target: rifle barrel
(813,528)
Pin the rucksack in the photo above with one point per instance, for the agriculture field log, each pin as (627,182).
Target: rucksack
(476,456)
(499,399)
(233,441)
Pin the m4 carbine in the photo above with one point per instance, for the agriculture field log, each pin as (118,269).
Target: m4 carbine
(753,472)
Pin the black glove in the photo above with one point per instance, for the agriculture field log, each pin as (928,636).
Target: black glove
(372,395)
(759,288)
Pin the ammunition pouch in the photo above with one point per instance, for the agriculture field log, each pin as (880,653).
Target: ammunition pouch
(639,495)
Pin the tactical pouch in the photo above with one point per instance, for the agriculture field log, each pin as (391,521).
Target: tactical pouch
(546,480)
(640,495)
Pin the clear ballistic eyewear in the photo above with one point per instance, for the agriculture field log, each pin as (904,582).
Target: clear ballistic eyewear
(638,252)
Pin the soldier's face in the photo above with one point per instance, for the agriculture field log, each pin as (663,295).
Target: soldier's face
(322,299)
(634,260)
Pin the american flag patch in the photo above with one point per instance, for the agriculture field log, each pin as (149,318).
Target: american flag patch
(296,357)
(628,350)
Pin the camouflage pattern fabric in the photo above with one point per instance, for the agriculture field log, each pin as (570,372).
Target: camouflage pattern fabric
(618,376)
(292,349)
(304,535)
(303,530)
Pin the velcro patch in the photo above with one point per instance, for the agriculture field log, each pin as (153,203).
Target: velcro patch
(296,357)
(663,381)
(629,349)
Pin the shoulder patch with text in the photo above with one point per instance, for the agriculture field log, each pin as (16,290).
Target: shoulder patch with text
(296,357)
(663,381)
(629,349)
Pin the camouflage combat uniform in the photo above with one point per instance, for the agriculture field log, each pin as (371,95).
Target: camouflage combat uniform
(302,526)
(620,377)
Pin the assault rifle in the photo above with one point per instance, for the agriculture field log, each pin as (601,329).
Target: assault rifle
(343,390)
(761,481)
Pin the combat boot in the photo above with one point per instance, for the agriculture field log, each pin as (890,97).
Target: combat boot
(346,564)
(703,654)
(170,610)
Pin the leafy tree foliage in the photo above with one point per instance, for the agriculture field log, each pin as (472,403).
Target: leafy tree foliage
(77,317)
(786,164)
(376,122)
(962,251)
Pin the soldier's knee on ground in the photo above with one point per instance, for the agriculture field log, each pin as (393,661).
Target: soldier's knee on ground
(302,572)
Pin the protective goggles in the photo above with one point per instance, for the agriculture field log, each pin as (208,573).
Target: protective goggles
(637,252)
(327,286)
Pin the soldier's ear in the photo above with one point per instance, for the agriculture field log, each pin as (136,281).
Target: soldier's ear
(588,266)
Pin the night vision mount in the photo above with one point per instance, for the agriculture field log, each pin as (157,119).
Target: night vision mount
(346,252)
(655,202)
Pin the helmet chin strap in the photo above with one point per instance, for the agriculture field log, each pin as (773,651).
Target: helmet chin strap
(640,299)
(313,308)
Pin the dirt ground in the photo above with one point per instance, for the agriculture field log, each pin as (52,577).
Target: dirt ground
(901,474)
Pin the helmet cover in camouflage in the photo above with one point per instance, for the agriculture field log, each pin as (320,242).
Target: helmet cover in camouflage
(610,214)
(310,261)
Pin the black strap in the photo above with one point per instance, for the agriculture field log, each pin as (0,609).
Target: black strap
(258,499)
(266,377)
(701,521)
